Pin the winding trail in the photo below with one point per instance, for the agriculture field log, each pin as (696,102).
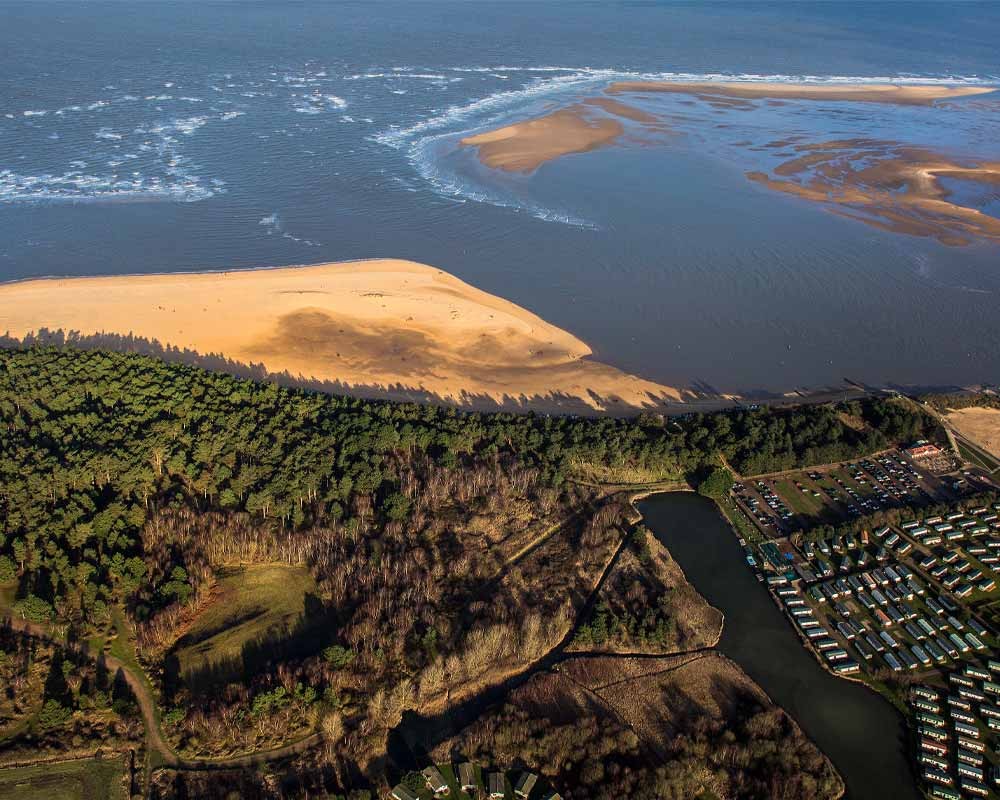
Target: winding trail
(147,707)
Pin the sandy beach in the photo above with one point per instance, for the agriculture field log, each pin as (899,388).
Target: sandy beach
(382,324)
(856,92)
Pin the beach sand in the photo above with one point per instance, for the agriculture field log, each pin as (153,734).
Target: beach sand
(525,146)
(856,92)
(979,425)
(387,325)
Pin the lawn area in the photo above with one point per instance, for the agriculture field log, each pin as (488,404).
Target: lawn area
(975,459)
(86,779)
(251,603)
(7,591)
(801,503)
(738,520)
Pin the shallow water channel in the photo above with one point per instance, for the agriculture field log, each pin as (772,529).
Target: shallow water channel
(863,735)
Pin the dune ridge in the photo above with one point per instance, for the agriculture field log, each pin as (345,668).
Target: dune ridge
(379,323)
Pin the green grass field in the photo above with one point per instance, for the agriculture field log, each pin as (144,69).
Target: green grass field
(86,779)
(253,603)
(738,520)
(7,591)
(803,504)
(976,459)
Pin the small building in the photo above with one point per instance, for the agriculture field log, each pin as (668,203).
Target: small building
(467,776)
(496,786)
(924,450)
(435,780)
(525,784)
(400,792)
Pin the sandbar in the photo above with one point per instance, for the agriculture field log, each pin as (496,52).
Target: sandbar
(394,326)
(900,94)
(889,186)
(525,146)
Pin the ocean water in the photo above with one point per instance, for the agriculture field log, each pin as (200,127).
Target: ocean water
(173,136)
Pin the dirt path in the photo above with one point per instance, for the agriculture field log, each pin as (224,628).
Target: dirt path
(147,707)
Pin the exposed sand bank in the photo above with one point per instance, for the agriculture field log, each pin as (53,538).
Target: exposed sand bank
(883,184)
(525,146)
(888,186)
(856,92)
(978,425)
(383,323)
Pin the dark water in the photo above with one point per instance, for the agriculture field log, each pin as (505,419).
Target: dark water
(166,136)
(861,733)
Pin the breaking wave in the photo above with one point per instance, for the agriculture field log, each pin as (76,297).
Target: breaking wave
(417,141)
(274,226)
(78,186)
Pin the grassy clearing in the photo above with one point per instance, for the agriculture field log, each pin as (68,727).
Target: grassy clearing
(801,503)
(86,779)
(738,520)
(975,459)
(252,603)
(624,475)
(7,592)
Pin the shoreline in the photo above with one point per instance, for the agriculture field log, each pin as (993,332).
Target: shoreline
(630,394)
(386,325)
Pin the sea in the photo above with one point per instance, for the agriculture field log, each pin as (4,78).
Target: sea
(176,136)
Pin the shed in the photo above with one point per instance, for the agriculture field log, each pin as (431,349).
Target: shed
(496,783)
(525,784)
(400,792)
(467,776)
(435,780)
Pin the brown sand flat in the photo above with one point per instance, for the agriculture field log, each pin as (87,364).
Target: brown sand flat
(525,146)
(380,323)
(621,109)
(888,186)
(978,425)
(855,92)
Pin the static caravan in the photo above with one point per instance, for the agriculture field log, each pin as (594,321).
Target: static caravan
(930,746)
(966,730)
(954,701)
(968,757)
(936,652)
(971,744)
(926,692)
(972,786)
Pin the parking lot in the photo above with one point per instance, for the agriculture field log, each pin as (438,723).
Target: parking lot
(782,504)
